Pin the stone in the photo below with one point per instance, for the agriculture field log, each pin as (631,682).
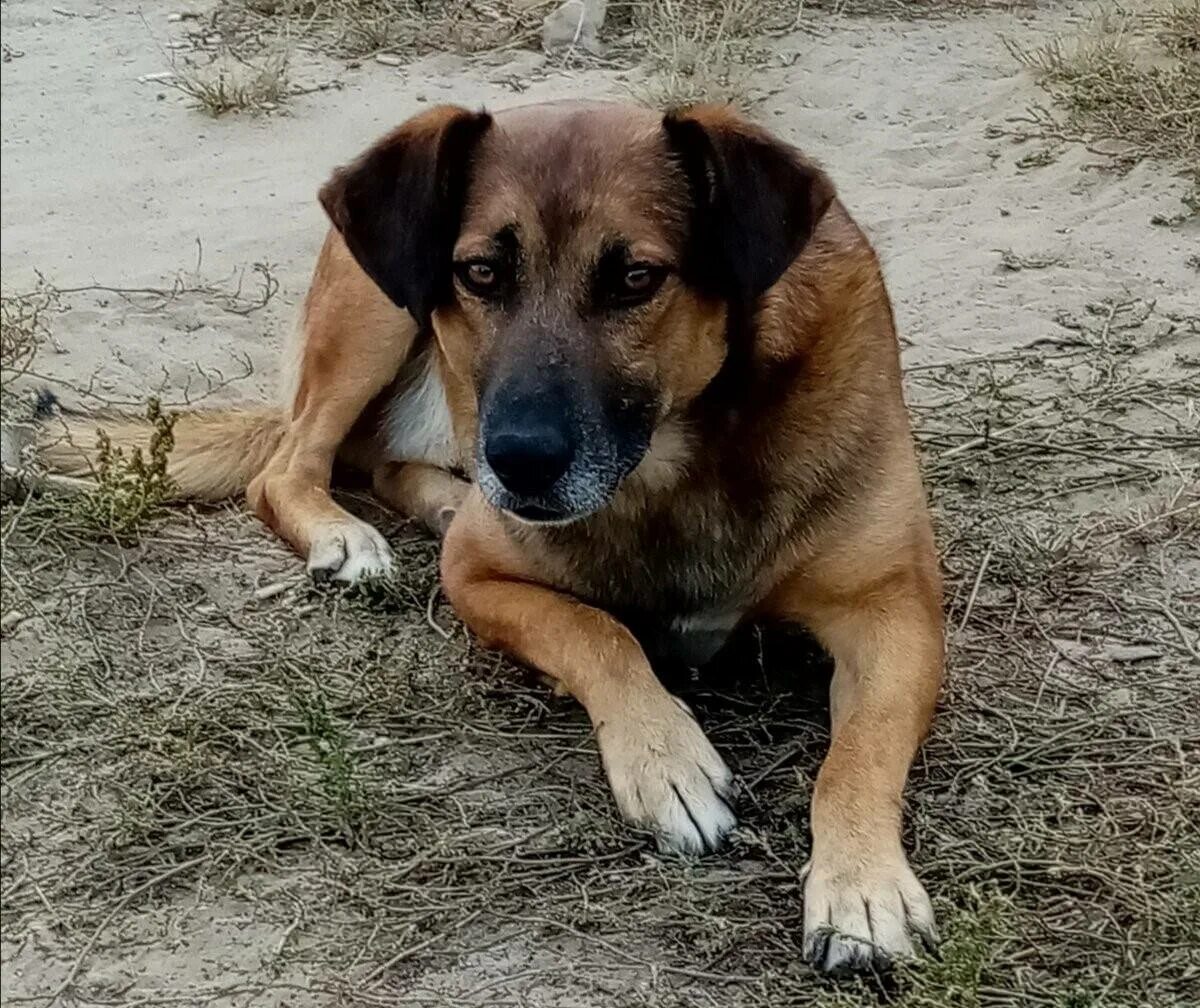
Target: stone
(574,24)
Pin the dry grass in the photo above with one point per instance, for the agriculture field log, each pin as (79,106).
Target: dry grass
(229,82)
(911,10)
(186,719)
(690,50)
(1131,77)
(698,51)
(24,325)
(409,27)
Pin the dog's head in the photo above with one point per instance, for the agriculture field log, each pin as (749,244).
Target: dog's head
(581,265)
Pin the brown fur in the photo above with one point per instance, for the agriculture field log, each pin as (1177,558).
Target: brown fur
(780,481)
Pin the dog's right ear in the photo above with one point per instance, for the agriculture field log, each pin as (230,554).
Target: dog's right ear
(399,205)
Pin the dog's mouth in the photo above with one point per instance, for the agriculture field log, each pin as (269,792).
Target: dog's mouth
(535,514)
(542,515)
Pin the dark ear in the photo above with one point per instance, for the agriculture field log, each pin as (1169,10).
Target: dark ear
(399,205)
(756,201)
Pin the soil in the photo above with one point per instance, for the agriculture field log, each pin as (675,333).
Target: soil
(225,787)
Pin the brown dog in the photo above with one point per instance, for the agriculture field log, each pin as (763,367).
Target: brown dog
(641,372)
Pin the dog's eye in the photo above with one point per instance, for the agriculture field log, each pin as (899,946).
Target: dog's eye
(638,279)
(626,285)
(479,276)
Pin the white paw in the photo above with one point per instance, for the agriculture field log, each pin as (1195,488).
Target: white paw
(349,551)
(667,777)
(863,914)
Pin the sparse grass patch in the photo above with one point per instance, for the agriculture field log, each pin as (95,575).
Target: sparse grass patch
(698,51)
(233,83)
(409,27)
(404,803)
(1132,77)
(974,938)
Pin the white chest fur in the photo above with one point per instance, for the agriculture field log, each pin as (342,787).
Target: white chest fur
(417,422)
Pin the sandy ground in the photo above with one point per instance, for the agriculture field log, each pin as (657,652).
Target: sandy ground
(112,182)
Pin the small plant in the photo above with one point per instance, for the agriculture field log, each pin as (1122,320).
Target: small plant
(336,767)
(130,486)
(233,84)
(956,975)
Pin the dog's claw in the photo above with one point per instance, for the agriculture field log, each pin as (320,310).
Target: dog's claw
(321,575)
(667,777)
(350,552)
(864,918)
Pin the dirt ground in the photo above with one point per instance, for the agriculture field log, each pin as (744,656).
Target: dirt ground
(225,787)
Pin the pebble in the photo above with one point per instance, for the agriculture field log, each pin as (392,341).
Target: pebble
(1130,652)
(271,590)
(389,59)
(574,23)
(1118,699)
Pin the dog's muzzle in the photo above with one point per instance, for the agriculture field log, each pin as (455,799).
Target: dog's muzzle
(547,456)
(529,461)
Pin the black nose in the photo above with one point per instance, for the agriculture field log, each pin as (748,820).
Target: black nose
(528,461)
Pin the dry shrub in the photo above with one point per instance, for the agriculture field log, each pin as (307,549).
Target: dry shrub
(1177,27)
(1132,77)
(23,327)
(230,82)
(917,9)
(698,51)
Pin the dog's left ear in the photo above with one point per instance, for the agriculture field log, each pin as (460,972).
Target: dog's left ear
(755,201)
(399,205)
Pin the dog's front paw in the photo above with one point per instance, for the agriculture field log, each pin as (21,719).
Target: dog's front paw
(349,551)
(864,913)
(667,777)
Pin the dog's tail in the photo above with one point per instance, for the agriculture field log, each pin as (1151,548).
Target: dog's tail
(216,453)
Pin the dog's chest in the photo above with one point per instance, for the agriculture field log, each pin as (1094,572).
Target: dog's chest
(417,426)
(694,639)
(682,579)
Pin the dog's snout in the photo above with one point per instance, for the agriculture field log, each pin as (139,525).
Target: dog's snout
(528,460)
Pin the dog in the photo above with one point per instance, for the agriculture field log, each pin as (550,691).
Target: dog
(640,373)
